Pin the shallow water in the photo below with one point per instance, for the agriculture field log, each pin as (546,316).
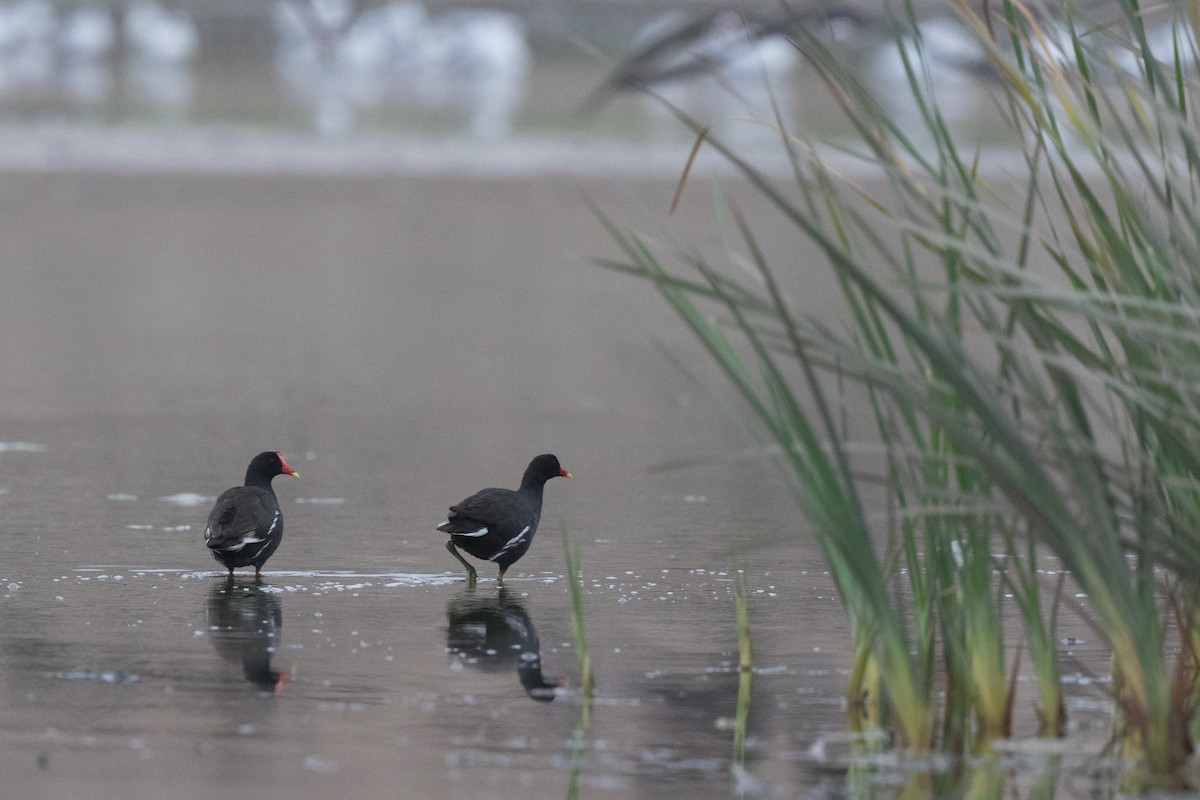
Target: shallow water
(404,339)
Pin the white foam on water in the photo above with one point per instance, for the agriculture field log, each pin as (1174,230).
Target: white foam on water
(244,150)
(321,580)
(187,499)
(21,447)
(102,676)
(322,765)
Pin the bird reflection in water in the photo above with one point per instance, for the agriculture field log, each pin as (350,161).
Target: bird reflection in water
(494,634)
(243,622)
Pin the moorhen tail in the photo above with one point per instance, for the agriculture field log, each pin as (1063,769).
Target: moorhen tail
(246,525)
(498,524)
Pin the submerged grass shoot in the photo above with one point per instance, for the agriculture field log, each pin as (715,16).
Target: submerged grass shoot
(587,681)
(745,674)
(583,656)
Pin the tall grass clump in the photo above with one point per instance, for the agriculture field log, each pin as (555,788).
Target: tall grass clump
(1018,335)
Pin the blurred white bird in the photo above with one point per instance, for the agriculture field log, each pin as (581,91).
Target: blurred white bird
(341,62)
(160,35)
(27,54)
(87,34)
(946,60)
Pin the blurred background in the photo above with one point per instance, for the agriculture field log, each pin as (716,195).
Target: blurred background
(329,66)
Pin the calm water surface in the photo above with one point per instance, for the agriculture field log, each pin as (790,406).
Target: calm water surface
(404,339)
(403,350)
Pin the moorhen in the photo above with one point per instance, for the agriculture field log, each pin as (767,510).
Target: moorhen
(499,524)
(246,525)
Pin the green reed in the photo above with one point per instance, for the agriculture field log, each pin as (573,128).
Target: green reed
(745,675)
(1026,358)
(583,660)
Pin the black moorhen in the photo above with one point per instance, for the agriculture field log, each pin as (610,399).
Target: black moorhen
(246,525)
(499,524)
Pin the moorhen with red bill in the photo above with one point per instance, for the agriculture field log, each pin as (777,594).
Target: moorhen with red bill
(498,524)
(246,525)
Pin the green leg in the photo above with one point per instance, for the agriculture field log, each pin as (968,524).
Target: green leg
(471,573)
(500,578)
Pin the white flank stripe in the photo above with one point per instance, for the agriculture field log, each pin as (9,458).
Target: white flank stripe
(274,522)
(513,542)
(245,540)
(480,532)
